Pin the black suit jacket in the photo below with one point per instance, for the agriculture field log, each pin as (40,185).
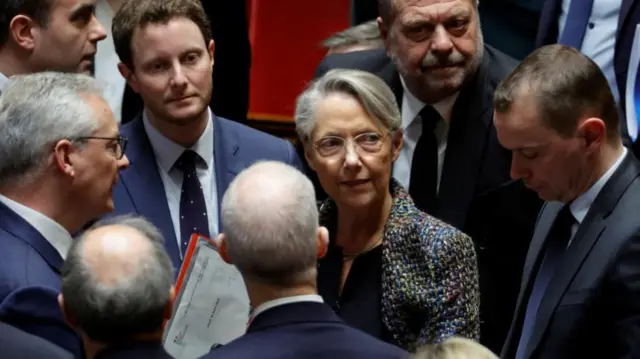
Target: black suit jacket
(476,192)
(135,350)
(230,97)
(628,19)
(304,330)
(14,343)
(592,306)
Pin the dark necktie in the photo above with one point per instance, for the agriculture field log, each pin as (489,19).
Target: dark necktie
(576,23)
(555,245)
(193,209)
(423,186)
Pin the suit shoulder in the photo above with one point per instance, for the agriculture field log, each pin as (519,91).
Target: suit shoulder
(500,65)
(367,60)
(442,237)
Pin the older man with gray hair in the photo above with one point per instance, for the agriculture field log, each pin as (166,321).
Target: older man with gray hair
(271,233)
(60,153)
(117,288)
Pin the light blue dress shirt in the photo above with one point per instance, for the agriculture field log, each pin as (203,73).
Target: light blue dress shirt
(167,153)
(599,40)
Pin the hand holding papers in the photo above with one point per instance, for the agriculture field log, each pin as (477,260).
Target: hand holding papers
(211,307)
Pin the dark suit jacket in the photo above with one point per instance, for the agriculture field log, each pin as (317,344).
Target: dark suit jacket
(137,350)
(629,18)
(15,343)
(230,30)
(236,147)
(304,330)
(30,282)
(476,193)
(591,308)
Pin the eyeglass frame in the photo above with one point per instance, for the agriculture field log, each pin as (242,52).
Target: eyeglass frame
(121,141)
(383,137)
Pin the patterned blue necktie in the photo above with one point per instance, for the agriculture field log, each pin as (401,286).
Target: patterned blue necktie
(576,23)
(193,209)
(555,245)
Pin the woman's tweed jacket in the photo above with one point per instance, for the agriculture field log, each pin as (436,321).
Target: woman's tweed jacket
(429,275)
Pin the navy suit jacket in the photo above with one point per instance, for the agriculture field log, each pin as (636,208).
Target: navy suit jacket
(15,343)
(30,283)
(628,19)
(146,350)
(307,330)
(141,191)
(591,308)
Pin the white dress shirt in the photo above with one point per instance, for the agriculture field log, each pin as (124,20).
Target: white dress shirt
(106,62)
(580,206)
(51,230)
(167,153)
(599,40)
(3,81)
(282,301)
(410,109)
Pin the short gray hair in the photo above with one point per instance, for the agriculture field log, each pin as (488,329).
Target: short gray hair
(369,90)
(365,34)
(36,111)
(270,220)
(135,303)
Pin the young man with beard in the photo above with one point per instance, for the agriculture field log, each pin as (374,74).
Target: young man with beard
(183,156)
(443,76)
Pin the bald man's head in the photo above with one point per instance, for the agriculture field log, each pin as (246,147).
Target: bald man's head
(117,281)
(270,224)
(114,254)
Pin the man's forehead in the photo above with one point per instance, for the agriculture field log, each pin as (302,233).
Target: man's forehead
(73,4)
(401,4)
(418,9)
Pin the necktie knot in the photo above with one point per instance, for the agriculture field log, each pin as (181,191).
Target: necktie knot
(187,161)
(429,117)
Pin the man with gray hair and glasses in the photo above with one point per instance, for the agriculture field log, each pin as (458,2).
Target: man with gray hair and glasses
(271,233)
(60,153)
(117,288)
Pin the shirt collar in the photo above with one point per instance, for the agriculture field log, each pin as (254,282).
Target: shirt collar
(411,106)
(167,152)
(52,231)
(580,206)
(287,300)
(3,81)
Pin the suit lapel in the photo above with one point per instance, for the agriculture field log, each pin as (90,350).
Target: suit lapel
(390,75)
(469,125)
(588,233)
(226,157)
(144,185)
(625,9)
(21,229)
(572,259)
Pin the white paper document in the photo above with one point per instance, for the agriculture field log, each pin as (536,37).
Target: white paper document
(211,307)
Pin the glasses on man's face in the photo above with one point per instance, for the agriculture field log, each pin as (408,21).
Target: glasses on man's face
(330,146)
(118,143)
